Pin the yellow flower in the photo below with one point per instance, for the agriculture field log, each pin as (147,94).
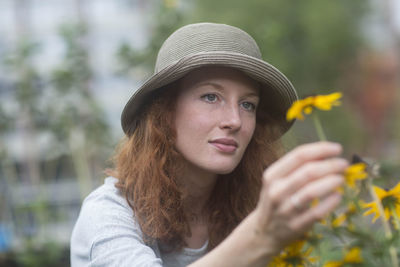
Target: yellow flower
(352,209)
(353,256)
(293,255)
(390,201)
(326,102)
(297,108)
(355,172)
(306,105)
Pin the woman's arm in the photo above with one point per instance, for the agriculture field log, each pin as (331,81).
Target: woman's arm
(283,214)
(105,233)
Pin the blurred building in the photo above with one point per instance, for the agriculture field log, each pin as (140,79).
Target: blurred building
(47,209)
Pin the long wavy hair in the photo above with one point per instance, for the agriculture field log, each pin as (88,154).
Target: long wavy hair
(147,166)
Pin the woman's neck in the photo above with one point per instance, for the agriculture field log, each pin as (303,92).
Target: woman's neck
(198,185)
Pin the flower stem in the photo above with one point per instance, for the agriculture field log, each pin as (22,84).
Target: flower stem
(396,220)
(386,226)
(318,127)
(393,255)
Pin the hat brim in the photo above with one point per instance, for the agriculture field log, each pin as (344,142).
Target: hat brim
(277,89)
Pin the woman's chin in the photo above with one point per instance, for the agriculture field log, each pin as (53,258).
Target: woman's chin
(222,170)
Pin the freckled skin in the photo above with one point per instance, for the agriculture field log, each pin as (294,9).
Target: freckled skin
(215,102)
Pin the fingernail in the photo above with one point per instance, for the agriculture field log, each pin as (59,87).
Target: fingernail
(337,146)
(343,163)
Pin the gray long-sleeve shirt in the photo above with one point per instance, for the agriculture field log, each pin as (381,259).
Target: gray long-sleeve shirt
(106,234)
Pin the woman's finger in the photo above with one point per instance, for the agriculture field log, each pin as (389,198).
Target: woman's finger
(318,189)
(305,221)
(300,155)
(305,174)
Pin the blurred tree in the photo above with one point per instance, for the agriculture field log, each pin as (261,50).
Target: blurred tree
(49,254)
(78,121)
(4,121)
(27,116)
(61,107)
(24,118)
(141,62)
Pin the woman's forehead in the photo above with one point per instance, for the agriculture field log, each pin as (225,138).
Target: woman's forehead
(215,73)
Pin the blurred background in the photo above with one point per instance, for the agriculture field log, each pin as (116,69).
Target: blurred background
(68,67)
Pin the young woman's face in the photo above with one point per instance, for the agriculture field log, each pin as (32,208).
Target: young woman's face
(215,118)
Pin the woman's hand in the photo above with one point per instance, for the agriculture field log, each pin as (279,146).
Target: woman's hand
(309,172)
(284,213)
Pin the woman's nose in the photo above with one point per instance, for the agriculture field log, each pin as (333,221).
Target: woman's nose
(230,118)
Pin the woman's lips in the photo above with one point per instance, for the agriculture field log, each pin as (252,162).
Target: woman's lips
(225,145)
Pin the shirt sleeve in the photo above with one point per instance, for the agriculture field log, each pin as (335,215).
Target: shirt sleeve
(106,234)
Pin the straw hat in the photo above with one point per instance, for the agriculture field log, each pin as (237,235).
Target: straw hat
(209,44)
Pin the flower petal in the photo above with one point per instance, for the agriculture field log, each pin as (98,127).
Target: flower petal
(325,102)
(395,190)
(295,111)
(381,193)
(353,256)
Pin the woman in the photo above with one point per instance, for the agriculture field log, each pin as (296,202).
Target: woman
(197,180)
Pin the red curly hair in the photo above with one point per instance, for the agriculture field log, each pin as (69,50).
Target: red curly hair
(147,166)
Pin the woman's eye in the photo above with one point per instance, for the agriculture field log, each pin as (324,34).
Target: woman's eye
(249,106)
(210,97)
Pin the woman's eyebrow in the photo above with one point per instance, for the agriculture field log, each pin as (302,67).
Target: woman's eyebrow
(213,84)
(252,94)
(221,88)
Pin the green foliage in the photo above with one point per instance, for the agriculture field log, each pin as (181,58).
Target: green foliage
(168,19)
(27,83)
(26,86)
(54,104)
(74,72)
(310,41)
(49,254)
(5,121)
(71,84)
